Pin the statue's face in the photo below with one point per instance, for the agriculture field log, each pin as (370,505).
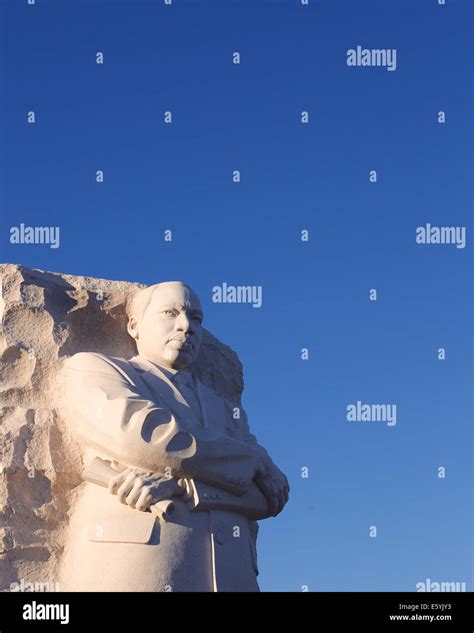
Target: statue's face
(170,330)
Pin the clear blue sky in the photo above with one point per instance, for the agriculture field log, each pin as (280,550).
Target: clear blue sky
(362,235)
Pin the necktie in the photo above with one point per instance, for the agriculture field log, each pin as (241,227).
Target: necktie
(183,382)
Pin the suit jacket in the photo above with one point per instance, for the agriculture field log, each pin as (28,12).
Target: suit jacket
(131,412)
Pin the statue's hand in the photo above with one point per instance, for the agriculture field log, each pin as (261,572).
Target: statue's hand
(272,483)
(140,489)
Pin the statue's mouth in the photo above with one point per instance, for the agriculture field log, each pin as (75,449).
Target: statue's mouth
(182,343)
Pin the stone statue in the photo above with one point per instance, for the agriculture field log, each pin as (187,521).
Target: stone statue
(176,481)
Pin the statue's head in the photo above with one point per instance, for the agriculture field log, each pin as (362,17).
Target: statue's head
(165,321)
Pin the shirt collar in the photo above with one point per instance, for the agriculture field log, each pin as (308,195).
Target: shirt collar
(169,372)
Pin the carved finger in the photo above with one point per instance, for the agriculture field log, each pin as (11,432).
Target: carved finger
(125,488)
(277,504)
(144,501)
(282,502)
(116,482)
(134,494)
(272,503)
(174,489)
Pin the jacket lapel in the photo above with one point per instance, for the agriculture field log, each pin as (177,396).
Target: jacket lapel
(212,407)
(159,384)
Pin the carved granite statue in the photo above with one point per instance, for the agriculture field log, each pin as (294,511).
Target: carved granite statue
(176,481)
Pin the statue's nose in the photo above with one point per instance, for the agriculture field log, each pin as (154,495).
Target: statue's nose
(183,323)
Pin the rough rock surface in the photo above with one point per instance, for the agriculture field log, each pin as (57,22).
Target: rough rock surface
(46,317)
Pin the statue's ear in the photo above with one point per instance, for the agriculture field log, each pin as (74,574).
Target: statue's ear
(132,327)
